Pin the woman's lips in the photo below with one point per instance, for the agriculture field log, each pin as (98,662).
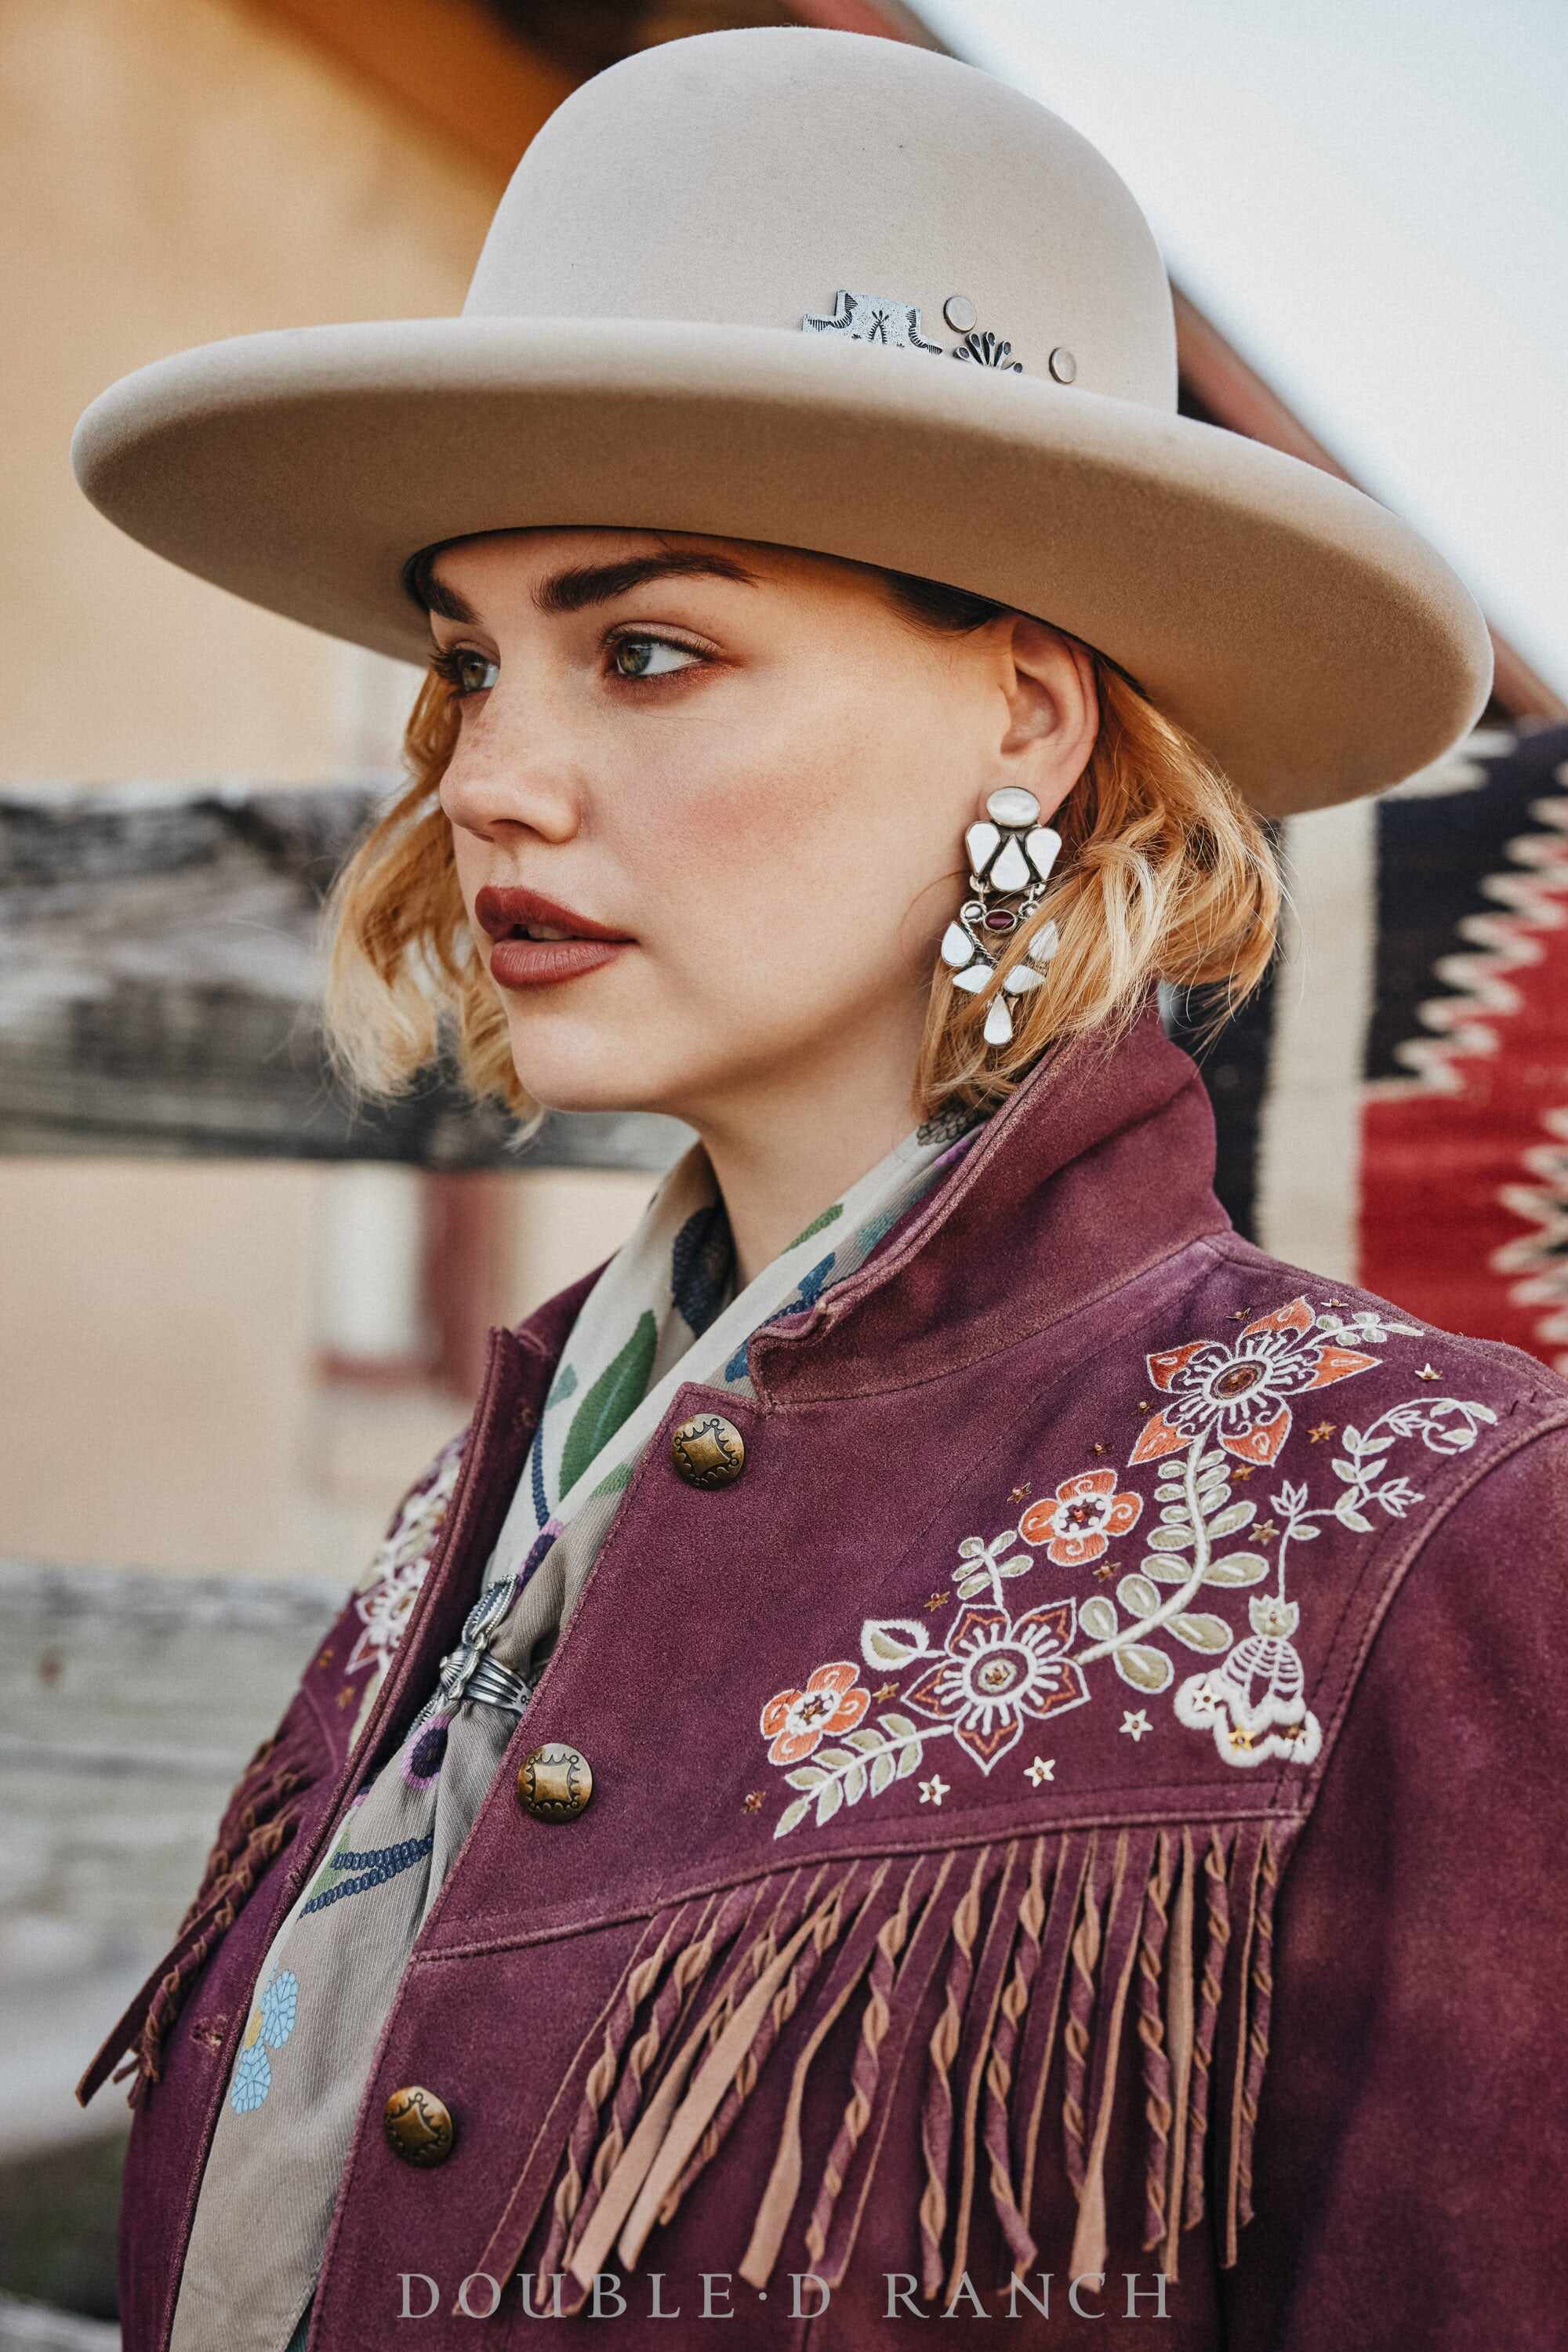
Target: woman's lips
(506,912)
(536,963)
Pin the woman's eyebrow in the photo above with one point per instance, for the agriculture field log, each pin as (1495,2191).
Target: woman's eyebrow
(598,584)
(581,585)
(437,597)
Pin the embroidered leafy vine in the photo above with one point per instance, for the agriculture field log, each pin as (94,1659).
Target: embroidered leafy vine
(984,1672)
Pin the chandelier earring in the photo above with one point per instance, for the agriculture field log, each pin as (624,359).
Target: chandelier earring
(1011,854)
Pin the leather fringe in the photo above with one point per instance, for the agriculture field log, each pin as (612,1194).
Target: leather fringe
(261,1817)
(1113,1943)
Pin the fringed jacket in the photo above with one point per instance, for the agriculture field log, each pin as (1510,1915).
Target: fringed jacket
(1074,1826)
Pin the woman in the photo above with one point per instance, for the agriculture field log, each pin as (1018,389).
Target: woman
(836,1784)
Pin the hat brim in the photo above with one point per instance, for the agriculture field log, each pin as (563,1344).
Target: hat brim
(1312,642)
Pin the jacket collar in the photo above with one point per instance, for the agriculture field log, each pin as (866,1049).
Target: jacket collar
(1099,1165)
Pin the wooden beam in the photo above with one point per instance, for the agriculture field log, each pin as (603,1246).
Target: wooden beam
(130,1699)
(158,983)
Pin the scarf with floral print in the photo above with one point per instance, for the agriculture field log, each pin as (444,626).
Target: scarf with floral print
(663,1312)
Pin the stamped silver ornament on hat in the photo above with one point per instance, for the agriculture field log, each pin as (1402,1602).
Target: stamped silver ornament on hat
(1313,643)
(1011,854)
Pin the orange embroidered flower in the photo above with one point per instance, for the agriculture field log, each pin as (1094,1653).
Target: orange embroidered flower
(1076,1524)
(831,1704)
(1237,1391)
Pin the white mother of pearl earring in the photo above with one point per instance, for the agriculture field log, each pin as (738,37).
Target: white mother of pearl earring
(1013,862)
(1023,977)
(957,947)
(1012,805)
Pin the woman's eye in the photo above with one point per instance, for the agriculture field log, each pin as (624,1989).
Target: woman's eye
(457,665)
(634,656)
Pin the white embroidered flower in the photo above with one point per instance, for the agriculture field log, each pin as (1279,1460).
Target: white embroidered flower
(998,1671)
(418,1517)
(385,1595)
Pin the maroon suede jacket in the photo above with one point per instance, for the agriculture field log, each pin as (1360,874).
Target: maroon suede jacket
(1081,1810)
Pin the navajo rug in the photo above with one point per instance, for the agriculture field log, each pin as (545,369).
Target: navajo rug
(1392,1105)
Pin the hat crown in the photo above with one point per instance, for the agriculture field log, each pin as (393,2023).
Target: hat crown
(769,176)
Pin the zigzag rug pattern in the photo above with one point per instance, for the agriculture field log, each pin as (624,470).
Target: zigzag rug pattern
(1460,1079)
(1464,1181)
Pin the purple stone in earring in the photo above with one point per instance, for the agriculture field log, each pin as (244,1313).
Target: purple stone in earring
(1011,855)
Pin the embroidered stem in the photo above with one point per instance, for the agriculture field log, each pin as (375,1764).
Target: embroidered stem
(1136,1632)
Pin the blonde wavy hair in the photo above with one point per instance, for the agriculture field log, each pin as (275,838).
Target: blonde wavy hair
(1166,874)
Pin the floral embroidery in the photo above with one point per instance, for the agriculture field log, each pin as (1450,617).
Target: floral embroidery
(270,2023)
(1076,1524)
(796,1720)
(385,1594)
(1239,1389)
(418,1516)
(996,1671)
(1229,1409)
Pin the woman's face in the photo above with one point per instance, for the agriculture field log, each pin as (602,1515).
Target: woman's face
(758,775)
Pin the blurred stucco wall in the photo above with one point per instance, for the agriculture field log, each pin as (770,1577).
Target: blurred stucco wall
(174,171)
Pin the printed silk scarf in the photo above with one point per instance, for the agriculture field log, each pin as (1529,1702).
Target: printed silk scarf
(662,1313)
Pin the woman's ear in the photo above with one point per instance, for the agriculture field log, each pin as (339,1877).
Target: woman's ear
(1051,709)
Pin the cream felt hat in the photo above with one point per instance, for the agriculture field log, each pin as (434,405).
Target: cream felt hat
(843,294)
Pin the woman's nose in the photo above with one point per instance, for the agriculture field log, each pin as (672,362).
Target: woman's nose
(487,788)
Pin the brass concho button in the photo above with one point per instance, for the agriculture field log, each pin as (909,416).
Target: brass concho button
(709,1450)
(418,2125)
(555,1782)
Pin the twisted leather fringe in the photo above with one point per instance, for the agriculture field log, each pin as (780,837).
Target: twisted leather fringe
(261,1817)
(1116,1940)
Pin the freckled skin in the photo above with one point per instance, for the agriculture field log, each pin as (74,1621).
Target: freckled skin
(780,827)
